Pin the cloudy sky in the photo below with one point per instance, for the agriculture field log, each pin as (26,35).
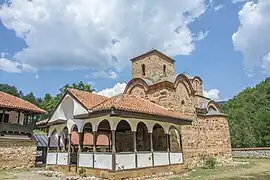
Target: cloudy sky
(45,44)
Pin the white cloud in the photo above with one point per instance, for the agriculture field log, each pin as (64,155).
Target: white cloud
(99,34)
(104,74)
(14,66)
(266,63)
(115,90)
(217,8)
(37,76)
(212,94)
(252,37)
(202,35)
(237,1)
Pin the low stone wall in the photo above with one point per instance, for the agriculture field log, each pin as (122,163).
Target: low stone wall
(17,153)
(263,152)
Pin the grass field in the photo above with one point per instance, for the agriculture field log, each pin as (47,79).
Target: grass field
(6,175)
(244,169)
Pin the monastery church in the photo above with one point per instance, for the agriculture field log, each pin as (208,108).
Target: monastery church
(161,121)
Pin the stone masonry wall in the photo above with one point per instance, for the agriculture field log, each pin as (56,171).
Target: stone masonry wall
(17,153)
(153,68)
(263,152)
(206,137)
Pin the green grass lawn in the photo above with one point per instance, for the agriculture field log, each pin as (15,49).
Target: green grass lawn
(6,175)
(256,169)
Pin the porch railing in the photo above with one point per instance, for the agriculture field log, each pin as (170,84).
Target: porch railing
(16,128)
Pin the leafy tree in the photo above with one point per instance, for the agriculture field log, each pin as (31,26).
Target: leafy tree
(79,86)
(10,90)
(31,98)
(249,116)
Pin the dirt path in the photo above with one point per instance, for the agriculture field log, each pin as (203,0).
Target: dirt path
(33,175)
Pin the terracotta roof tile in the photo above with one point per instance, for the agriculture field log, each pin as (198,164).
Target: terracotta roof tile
(131,103)
(88,99)
(12,102)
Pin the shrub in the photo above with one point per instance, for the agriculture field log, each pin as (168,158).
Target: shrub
(82,172)
(210,163)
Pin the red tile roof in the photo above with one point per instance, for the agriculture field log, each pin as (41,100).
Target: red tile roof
(88,99)
(131,103)
(11,102)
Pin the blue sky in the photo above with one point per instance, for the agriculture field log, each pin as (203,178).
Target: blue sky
(42,48)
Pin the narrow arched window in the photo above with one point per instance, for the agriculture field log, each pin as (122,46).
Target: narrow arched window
(164,69)
(143,69)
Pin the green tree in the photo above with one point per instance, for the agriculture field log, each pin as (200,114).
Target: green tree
(79,86)
(10,90)
(249,116)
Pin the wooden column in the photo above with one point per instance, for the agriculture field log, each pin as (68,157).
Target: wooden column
(113,151)
(19,116)
(48,148)
(33,121)
(151,148)
(135,149)
(3,116)
(80,148)
(69,154)
(168,147)
(26,122)
(80,142)
(94,146)
(58,144)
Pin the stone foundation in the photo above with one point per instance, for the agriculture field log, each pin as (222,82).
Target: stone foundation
(17,153)
(142,173)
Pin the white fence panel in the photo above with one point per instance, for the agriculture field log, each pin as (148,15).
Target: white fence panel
(176,158)
(125,161)
(86,160)
(161,158)
(103,161)
(62,158)
(51,158)
(144,159)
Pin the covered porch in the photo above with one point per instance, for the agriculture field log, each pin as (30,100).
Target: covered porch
(117,143)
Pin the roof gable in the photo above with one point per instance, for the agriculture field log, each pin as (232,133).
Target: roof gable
(87,99)
(154,51)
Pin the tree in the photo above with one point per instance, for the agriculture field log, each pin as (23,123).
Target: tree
(31,98)
(10,90)
(79,86)
(249,116)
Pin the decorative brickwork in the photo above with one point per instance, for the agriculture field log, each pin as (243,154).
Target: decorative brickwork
(17,153)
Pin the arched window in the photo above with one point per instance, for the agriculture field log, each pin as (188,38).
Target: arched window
(164,69)
(143,69)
